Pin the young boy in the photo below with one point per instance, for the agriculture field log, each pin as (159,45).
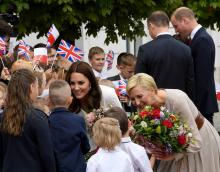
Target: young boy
(97,60)
(68,130)
(136,152)
(125,64)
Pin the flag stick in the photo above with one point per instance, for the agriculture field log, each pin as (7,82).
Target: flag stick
(2,62)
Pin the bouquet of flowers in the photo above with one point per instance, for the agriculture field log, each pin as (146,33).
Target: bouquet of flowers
(161,130)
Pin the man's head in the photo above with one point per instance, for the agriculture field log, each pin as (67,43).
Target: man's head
(157,22)
(184,21)
(125,64)
(60,94)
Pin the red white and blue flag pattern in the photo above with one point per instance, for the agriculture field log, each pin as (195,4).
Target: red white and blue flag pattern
(120,87)
(52,35)
(69,52)
(110,59)
(24,50)
(2,46)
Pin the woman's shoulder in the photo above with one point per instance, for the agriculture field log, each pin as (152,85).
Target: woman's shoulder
(176,93)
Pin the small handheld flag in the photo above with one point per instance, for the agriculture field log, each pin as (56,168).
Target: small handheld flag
(69,51)
(24,50)
(122,87)
(109,59)
(40,55)
(52,35)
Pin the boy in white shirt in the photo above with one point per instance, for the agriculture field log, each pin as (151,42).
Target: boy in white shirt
(136,152)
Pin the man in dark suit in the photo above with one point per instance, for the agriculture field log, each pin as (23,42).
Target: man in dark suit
(203,52)
(167,60)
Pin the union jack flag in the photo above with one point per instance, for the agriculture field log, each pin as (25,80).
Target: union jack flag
(52,35)
(23,49)
(2,46)
(109,59)
(122,87)
(69,51)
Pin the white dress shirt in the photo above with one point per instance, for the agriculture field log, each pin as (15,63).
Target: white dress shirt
(194,31)
(137,154)
(110,161)
(99,75)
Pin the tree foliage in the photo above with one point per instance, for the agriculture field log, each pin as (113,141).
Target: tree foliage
(116,17)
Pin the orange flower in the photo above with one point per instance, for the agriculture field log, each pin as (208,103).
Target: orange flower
(173,118)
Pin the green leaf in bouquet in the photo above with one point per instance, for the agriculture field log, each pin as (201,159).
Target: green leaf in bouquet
(163,129)
(158,130)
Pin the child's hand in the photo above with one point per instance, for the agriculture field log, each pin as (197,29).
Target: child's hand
(5,75)
(131,128)
(123,99)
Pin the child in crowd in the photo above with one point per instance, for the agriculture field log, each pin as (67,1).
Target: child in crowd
(3,93)
(41,101)
(110,157)
(125,64)
(68,130)
(136,152)
(97,60)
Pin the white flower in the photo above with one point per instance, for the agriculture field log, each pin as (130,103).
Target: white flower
(161,114)
(143,124)
(136,117)
(189,135)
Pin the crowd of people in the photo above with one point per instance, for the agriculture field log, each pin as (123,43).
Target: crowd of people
(68,117)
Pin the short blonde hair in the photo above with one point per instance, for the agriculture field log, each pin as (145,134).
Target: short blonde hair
(107,133)
(59,92)
(143,80)
(181,12)
(21,64)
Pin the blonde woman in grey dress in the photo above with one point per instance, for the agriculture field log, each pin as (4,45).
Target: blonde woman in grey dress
(202,155)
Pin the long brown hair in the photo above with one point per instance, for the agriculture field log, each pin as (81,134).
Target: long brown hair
(93,98)
(18,101)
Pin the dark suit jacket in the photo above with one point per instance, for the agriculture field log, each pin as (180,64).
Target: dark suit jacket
(114,78)
(169,62)
(70,140)
(126,107)
(30,152)
(203,52)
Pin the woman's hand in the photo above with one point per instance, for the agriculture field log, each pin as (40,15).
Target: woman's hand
(90,117)
(163,156)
